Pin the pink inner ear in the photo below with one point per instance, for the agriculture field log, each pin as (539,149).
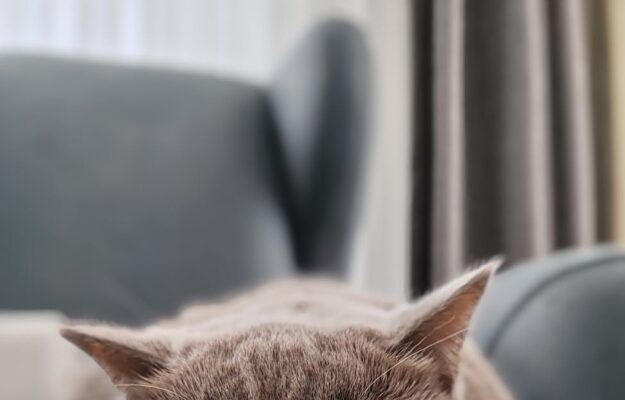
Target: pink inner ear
(439,330)
(123,365)
(123,362)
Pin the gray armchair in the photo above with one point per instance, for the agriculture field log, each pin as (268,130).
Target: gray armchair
(128,191)
(555,328)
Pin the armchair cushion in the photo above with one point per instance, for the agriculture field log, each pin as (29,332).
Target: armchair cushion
(555,327)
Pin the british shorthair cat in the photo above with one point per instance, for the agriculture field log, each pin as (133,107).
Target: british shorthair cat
(303,340)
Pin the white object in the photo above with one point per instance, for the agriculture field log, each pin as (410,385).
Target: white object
(35,361)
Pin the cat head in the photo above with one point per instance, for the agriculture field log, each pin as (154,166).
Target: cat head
(415,357)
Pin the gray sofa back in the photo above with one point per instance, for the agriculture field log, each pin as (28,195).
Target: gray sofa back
(128,191)
(554,328)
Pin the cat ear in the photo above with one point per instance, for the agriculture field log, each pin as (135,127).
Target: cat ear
(436,325)
(127,356)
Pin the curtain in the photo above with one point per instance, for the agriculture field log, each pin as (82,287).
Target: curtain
(615,12)
(511,150)
(233,37)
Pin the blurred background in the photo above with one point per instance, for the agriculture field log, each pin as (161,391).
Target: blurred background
(153,152)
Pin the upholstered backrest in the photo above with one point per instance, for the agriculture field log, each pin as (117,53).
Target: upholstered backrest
(554,327)
(128,191)
(321,103)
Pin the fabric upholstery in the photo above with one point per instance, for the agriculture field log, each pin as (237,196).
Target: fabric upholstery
(120,186)
(321,104)
(128,191)
(554,327)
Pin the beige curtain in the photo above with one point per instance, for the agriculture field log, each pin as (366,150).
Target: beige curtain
(615,12)
(510,142)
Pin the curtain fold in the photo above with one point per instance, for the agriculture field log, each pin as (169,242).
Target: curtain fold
(615,13)
(600,84)
(448,130)
(576,218)
(527,177)
(517,132)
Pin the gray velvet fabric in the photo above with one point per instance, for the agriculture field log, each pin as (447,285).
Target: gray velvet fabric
(321,103)
(124,189)
(554,327)
(129,191)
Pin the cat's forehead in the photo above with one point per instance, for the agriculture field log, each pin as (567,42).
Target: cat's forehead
(270,349)
(296,363)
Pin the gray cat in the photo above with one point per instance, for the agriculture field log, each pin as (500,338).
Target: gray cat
(303,340)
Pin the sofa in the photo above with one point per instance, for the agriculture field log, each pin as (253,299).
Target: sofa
(128,191)
(555,327)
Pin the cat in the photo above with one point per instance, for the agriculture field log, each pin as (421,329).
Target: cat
(304,340)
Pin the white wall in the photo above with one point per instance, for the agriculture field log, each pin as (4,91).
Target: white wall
(247,39)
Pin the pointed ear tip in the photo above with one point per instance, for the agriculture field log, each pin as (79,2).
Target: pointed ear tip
(67,331)
(492,265)
(76,334)
(485,271)
(71,334)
